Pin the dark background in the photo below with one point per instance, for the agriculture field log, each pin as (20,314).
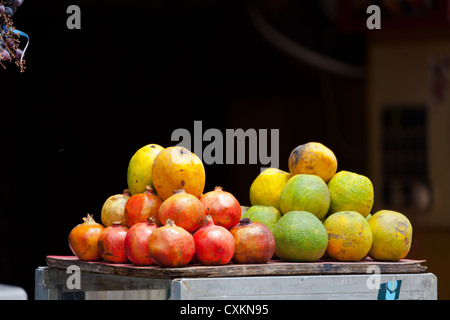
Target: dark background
(136,71)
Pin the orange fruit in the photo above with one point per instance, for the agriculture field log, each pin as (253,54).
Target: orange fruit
(305,192)
(349,236)
(266,188)
(266,215)
(392,235)
(313,158)
(300,236)
(177,168)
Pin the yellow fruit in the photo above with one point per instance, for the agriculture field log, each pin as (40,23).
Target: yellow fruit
(266,215)
(177,168)
(392,235)
(350,192)
(114,209)
(349,236)
(139,174)
(313,158)
(266,188)
(305,192)
(300,236)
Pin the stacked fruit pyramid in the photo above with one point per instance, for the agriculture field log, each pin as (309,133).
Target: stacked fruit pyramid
(315,211)
(164,218)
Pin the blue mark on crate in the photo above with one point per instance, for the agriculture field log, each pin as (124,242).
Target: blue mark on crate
(389,290)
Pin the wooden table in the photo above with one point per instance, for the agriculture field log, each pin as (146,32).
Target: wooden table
(273,268)
(276,279)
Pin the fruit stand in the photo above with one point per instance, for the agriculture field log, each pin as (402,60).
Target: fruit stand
(323,279)
(308,234)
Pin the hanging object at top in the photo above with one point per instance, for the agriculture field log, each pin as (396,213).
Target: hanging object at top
(10,38)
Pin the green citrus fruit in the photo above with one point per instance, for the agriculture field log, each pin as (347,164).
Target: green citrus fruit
(349,236)
(266,215)
(350,192)
(392,235)
(300,236)
(266,188)
(305,192)
(139,174)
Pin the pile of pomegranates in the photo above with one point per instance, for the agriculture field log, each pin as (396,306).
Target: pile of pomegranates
(145,230)
(223,207)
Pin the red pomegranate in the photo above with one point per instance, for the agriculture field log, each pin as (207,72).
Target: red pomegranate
(171,246)
(214,245)
(111,243)
(223,207)
(184,209)
(141,206)
(254,243)
(136,242)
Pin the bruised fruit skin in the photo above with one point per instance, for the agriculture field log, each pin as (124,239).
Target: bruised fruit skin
(184,209)
(83,239)
(139,173)
(141,206)
(392,235)
(177,168)
(349,236)
(136,242)
(254,242)
(111,243)
(114,209)
(171,246)
(214,245)
(313,158)
(223,207)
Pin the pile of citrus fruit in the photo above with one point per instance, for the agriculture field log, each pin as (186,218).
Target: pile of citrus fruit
(314,211)
(310,212)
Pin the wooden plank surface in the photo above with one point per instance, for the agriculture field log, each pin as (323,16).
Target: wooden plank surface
(273,267)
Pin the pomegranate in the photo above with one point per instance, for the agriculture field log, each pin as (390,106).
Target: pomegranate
(223,207)
(171,246)
(114,208)
(254,243)
(111,243)
(214,245)
(136,242)
(184,209)
(141,206)
(83,239)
